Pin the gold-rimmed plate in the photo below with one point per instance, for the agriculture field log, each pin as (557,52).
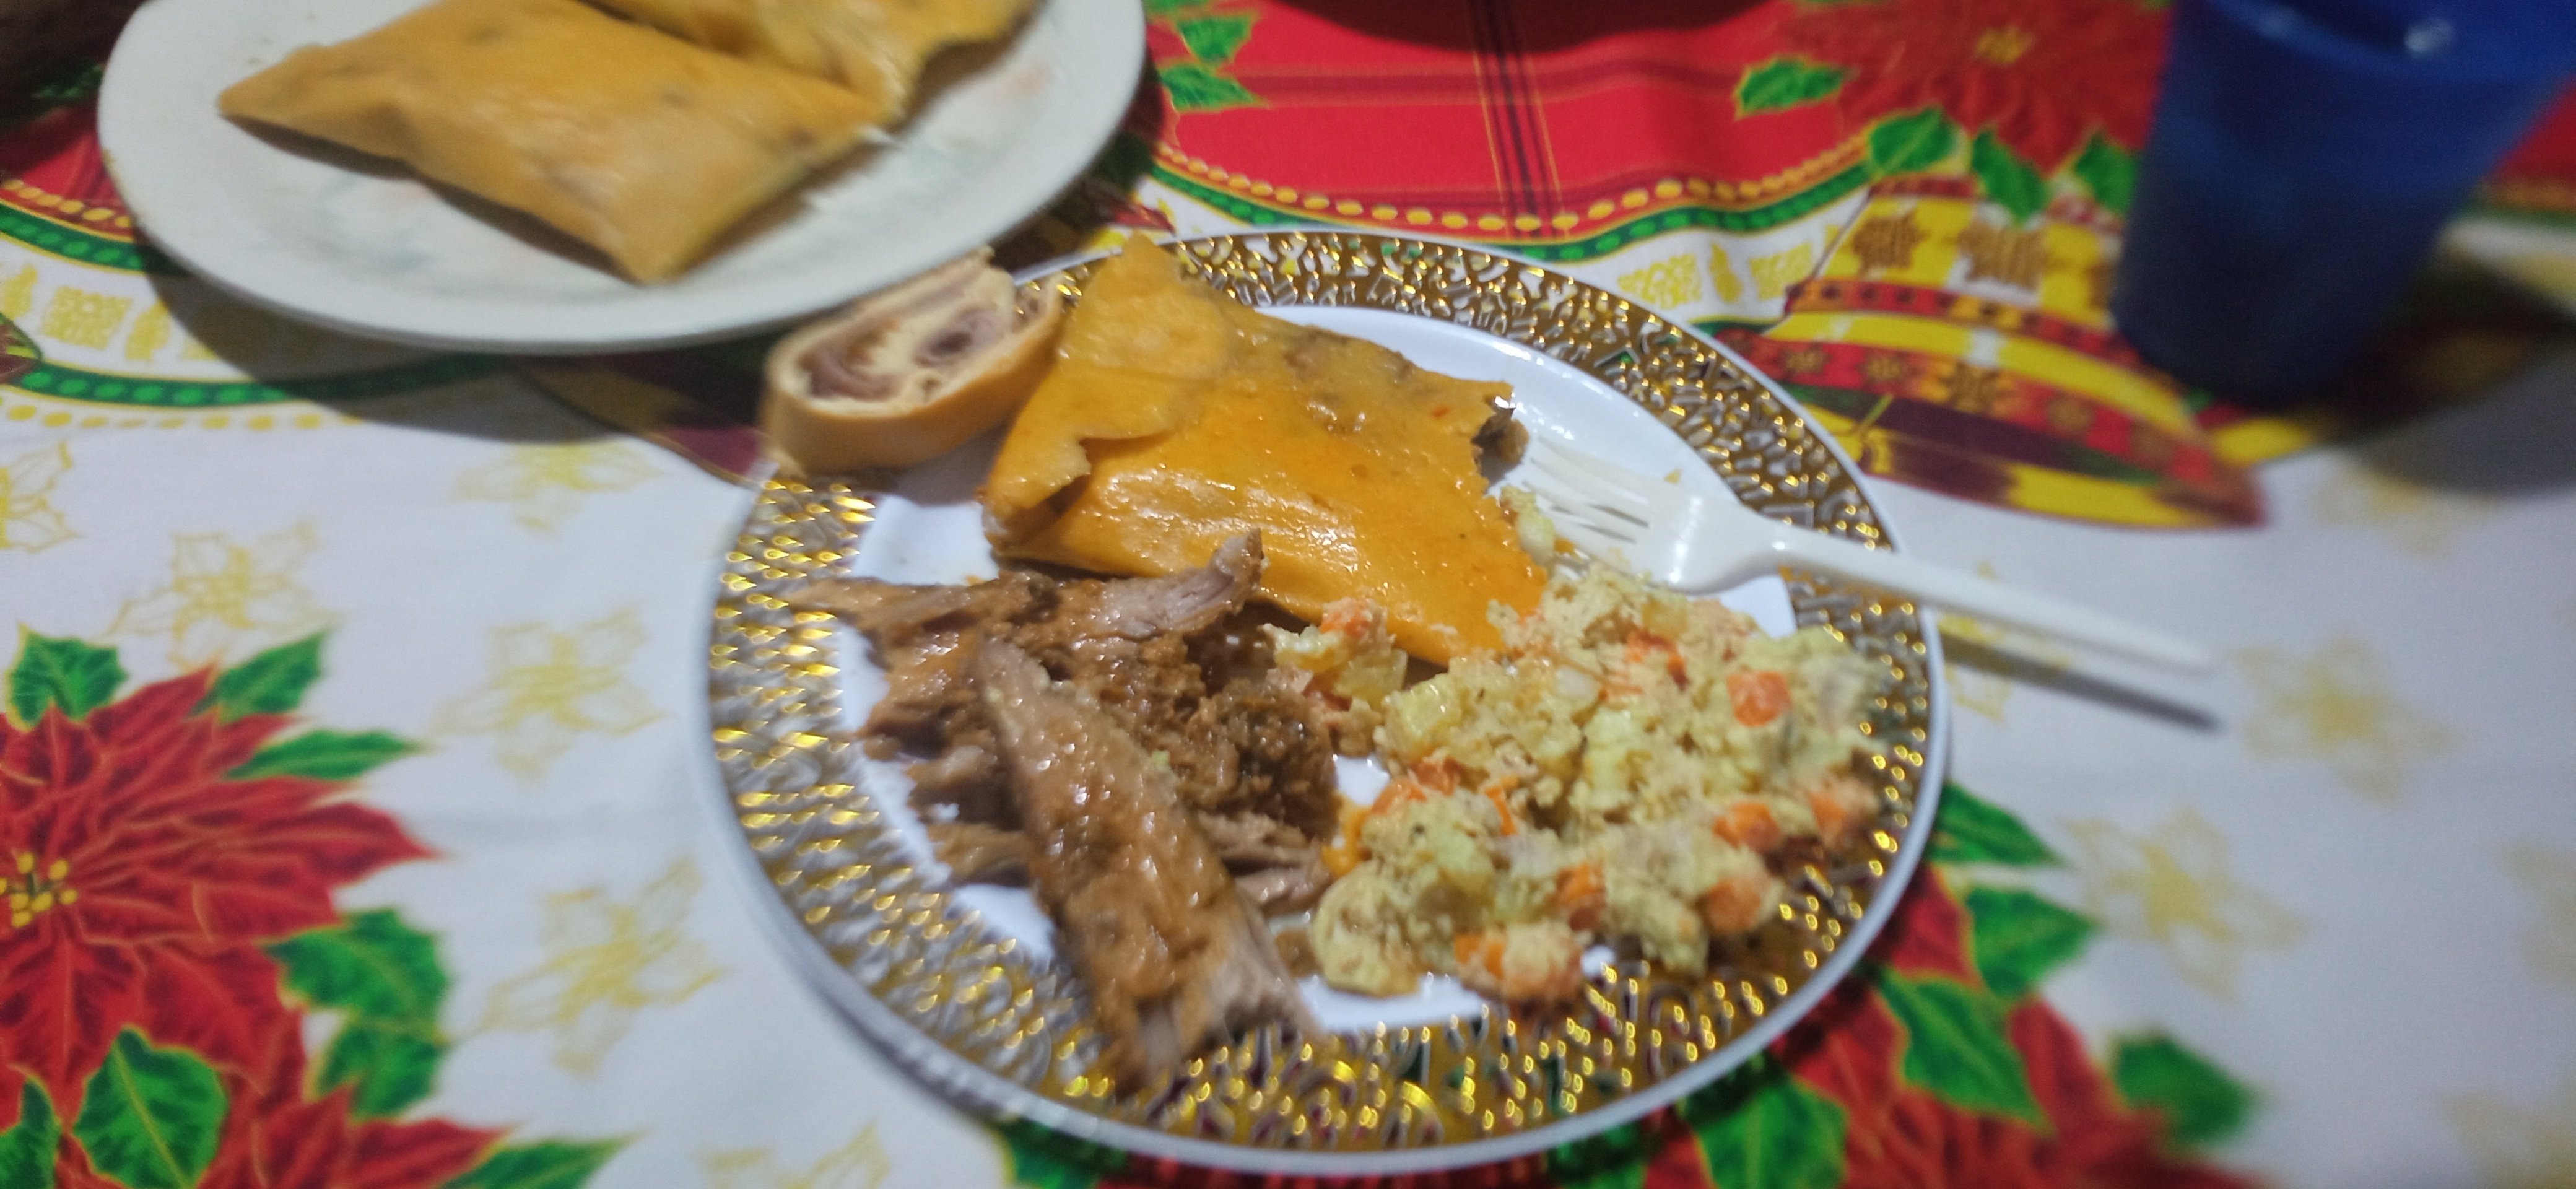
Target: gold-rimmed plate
(959,982)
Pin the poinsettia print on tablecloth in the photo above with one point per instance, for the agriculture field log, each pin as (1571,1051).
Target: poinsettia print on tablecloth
(2040,78)
(170,854)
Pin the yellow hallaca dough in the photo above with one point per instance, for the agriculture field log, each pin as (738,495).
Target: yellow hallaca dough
(639,144)
(1175,418)
(874,47)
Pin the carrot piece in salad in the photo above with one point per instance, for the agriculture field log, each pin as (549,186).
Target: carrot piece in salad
(1397,794)
(1347,617)
(1522,964)
(1437,772)
(1642,644)
(1751,825)
(1736,904)
(1581,895)
(1346,852)
(1481,954)
(1759,695)
(1842,804)
(1498,791)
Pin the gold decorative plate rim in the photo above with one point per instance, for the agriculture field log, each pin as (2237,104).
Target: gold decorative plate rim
(963,1008)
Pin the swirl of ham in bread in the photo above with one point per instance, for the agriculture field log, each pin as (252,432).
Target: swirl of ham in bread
(911,373)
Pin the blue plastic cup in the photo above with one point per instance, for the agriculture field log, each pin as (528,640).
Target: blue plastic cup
(2305,153)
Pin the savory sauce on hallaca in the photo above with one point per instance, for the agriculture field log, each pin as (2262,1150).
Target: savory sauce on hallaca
(1176,418)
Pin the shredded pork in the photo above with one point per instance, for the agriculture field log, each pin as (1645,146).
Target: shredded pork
(1174,954)
(1170,659)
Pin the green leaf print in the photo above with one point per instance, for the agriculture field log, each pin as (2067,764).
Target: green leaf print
(1044,1159)
(1784,83)
(272,682)
(538,1166)
(81,83)
(1614,1159)
(1164,8)
(325,755)
(27,1149)
(385,975)
(1194,87)
(1903,144)
(1213,39)
(1955,1045)
(2200,1103)
(1631,1175)
(2109,172)
(388,1064)
(1763,1129)
(373,965)
(2019,937)
(2007,179)
(1972,830)
(152,1116)
(68,673)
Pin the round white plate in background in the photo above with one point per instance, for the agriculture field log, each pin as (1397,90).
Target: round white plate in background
(382,254)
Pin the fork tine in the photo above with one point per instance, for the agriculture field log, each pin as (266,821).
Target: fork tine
(1638,512)
(1569,511)
(1576,488)
(1563,489)
(1597,531)
(1564,499)
(1593,544)
(1598,471)
(1581,478)
(1581,487)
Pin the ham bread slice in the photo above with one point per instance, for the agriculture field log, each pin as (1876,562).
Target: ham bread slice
(910,373)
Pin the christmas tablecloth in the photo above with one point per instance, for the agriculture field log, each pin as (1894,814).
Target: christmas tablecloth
(357,818)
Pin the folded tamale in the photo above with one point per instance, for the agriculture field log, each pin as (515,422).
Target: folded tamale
(635,142)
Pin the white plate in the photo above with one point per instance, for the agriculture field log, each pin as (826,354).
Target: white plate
(874,921)
(387,257)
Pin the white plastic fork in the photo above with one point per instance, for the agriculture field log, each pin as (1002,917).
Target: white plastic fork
(1702,545)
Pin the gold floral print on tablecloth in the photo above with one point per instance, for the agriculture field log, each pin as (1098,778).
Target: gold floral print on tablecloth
(83,319)
(2336,706)
(544,482)
(1721,273)
(29,522)
(226,597)
(1773,274)
(861,1163)
(2173,887)
(17,291)
(2519,1144)
(606,961)
(2415,518)
(1672,281)
(548,687)
(2548,879)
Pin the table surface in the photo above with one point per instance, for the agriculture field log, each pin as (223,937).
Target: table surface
(357,803)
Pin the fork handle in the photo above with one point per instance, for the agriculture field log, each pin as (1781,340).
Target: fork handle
(1968,594)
